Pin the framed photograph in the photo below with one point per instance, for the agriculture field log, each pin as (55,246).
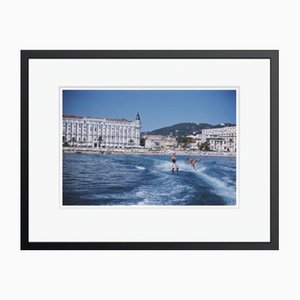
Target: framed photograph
(149,150)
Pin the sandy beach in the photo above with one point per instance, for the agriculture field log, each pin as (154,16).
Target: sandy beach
(143,151)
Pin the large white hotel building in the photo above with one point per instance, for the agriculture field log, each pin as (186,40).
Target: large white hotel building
(90,132)
(221,139)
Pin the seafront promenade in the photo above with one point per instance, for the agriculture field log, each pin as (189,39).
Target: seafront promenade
(143,151)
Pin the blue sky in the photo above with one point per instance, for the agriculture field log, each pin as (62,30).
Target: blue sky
(157,108)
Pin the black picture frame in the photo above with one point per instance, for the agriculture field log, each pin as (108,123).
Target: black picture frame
(272,55)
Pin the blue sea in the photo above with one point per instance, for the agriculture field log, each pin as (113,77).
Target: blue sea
(103,179)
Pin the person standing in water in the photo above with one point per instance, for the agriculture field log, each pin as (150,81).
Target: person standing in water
(174,165)
(192,162)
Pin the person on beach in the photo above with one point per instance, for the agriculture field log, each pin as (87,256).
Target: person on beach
(174,165)
(192,162)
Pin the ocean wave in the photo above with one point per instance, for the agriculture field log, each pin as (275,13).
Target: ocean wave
(224,187)
(147,180)
(225,168)
(220,187)
(167,193)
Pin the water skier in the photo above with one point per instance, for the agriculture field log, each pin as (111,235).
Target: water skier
(192,162)
(174,165)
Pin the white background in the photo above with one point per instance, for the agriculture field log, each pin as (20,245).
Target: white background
(153,25)
(248,222)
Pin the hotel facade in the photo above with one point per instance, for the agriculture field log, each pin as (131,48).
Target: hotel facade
(90,132)
(220,139)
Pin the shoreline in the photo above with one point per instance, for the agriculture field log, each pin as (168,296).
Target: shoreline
(147,152)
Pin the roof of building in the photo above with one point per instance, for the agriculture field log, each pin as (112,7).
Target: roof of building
(220,128)
(72,116)
(122,120)
(95,118)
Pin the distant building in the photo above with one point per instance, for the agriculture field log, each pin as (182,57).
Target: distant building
(159,141)
(195,141)
(169,142)
(201,138)
(220,139)
(153,141)
(90,132)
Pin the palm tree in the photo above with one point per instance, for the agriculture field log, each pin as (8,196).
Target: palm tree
(205,146)
(100,140)
(142,142)
(230,143)
(73,141)
(65,142)
(130,142)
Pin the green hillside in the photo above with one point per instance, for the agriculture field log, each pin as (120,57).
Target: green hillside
(183,129)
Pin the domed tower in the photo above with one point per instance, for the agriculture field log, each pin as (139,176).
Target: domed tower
(138,125)
(138,120)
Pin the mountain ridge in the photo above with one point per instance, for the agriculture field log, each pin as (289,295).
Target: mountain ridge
(188,128)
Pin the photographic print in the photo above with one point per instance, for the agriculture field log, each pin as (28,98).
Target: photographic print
(149,147)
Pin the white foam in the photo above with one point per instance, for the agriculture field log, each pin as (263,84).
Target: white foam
(226,168)
(140,167)
(182,165)
(166,190)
